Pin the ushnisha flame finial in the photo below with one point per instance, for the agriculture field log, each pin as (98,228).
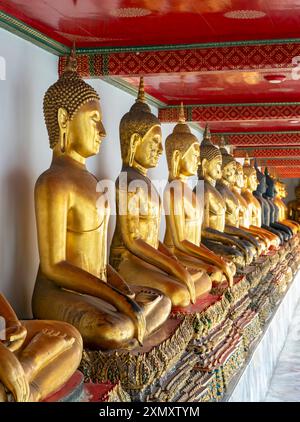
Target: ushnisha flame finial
(141,94)
(223,142)
(71,65)
(181,114)
(247,160)
(206,133)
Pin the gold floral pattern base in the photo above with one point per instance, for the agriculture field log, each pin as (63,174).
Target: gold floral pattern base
(137,369)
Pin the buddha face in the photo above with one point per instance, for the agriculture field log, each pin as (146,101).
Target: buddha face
(239,177)
(85,131)
(190,160)
(149,149)
(212,168)
(252,182)
(229,172)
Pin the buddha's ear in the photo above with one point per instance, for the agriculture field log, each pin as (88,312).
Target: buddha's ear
(175,164)
(63,118)
(135,140)
(204,163)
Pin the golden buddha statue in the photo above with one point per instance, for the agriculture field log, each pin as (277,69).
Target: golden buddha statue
(213,228)
(136,252)
(244,213)
(36,357)
(254,206)
(182,208)
(294,206)
(224,186)
(280,194)
(74,282)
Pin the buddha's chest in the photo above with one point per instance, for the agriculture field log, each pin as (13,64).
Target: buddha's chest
(215,201)
(88,207)
(192,209)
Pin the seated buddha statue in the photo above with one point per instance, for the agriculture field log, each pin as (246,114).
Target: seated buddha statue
(294,206)
(182,208)
(269,195)
(74,282)
(213,227)
(224,186)
(244,214)
(254,204)
(136,251)
(36,357)
(280,194)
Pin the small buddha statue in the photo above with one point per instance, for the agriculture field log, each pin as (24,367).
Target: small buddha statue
(36,357)
(294,206)
(224,186)
(74,282)
(254,204)
(136,252)
(244,214)
(213,228)
(269,195)
(281,193)
(182,208)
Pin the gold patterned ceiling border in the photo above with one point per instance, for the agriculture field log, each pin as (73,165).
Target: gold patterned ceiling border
(150,60)
(265,152)
(279,162)
(256,139)
(17,27)
(233,112)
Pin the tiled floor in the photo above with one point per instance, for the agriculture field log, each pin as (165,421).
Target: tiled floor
(285,383)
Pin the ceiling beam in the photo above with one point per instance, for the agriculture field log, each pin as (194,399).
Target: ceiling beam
(233,112)
(149,60)
(280,162)
(267,152)
(252,139)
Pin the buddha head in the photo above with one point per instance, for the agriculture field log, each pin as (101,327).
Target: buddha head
(210,159)
(140,135)
(239,179)
(73,115)
(250,178)
(228,166)
(182,150)
(262,183)
(280,189)
(270,191)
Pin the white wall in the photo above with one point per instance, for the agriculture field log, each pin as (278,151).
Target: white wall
(24,155)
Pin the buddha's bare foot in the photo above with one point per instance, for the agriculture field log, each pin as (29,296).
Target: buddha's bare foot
(147,298)
(55,341)
(45,346)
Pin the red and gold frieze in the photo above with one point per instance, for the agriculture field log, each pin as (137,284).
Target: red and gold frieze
(267,152)
(154,61)
(233,112)
(279,162)
(260,139)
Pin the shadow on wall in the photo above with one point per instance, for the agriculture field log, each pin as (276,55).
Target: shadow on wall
(18,212)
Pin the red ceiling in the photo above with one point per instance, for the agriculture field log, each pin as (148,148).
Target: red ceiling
(96,23)
(220,87)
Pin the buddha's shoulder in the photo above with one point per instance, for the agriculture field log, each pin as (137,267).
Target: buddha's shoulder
(53,178)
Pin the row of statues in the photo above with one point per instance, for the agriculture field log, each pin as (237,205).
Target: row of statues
(117,302)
